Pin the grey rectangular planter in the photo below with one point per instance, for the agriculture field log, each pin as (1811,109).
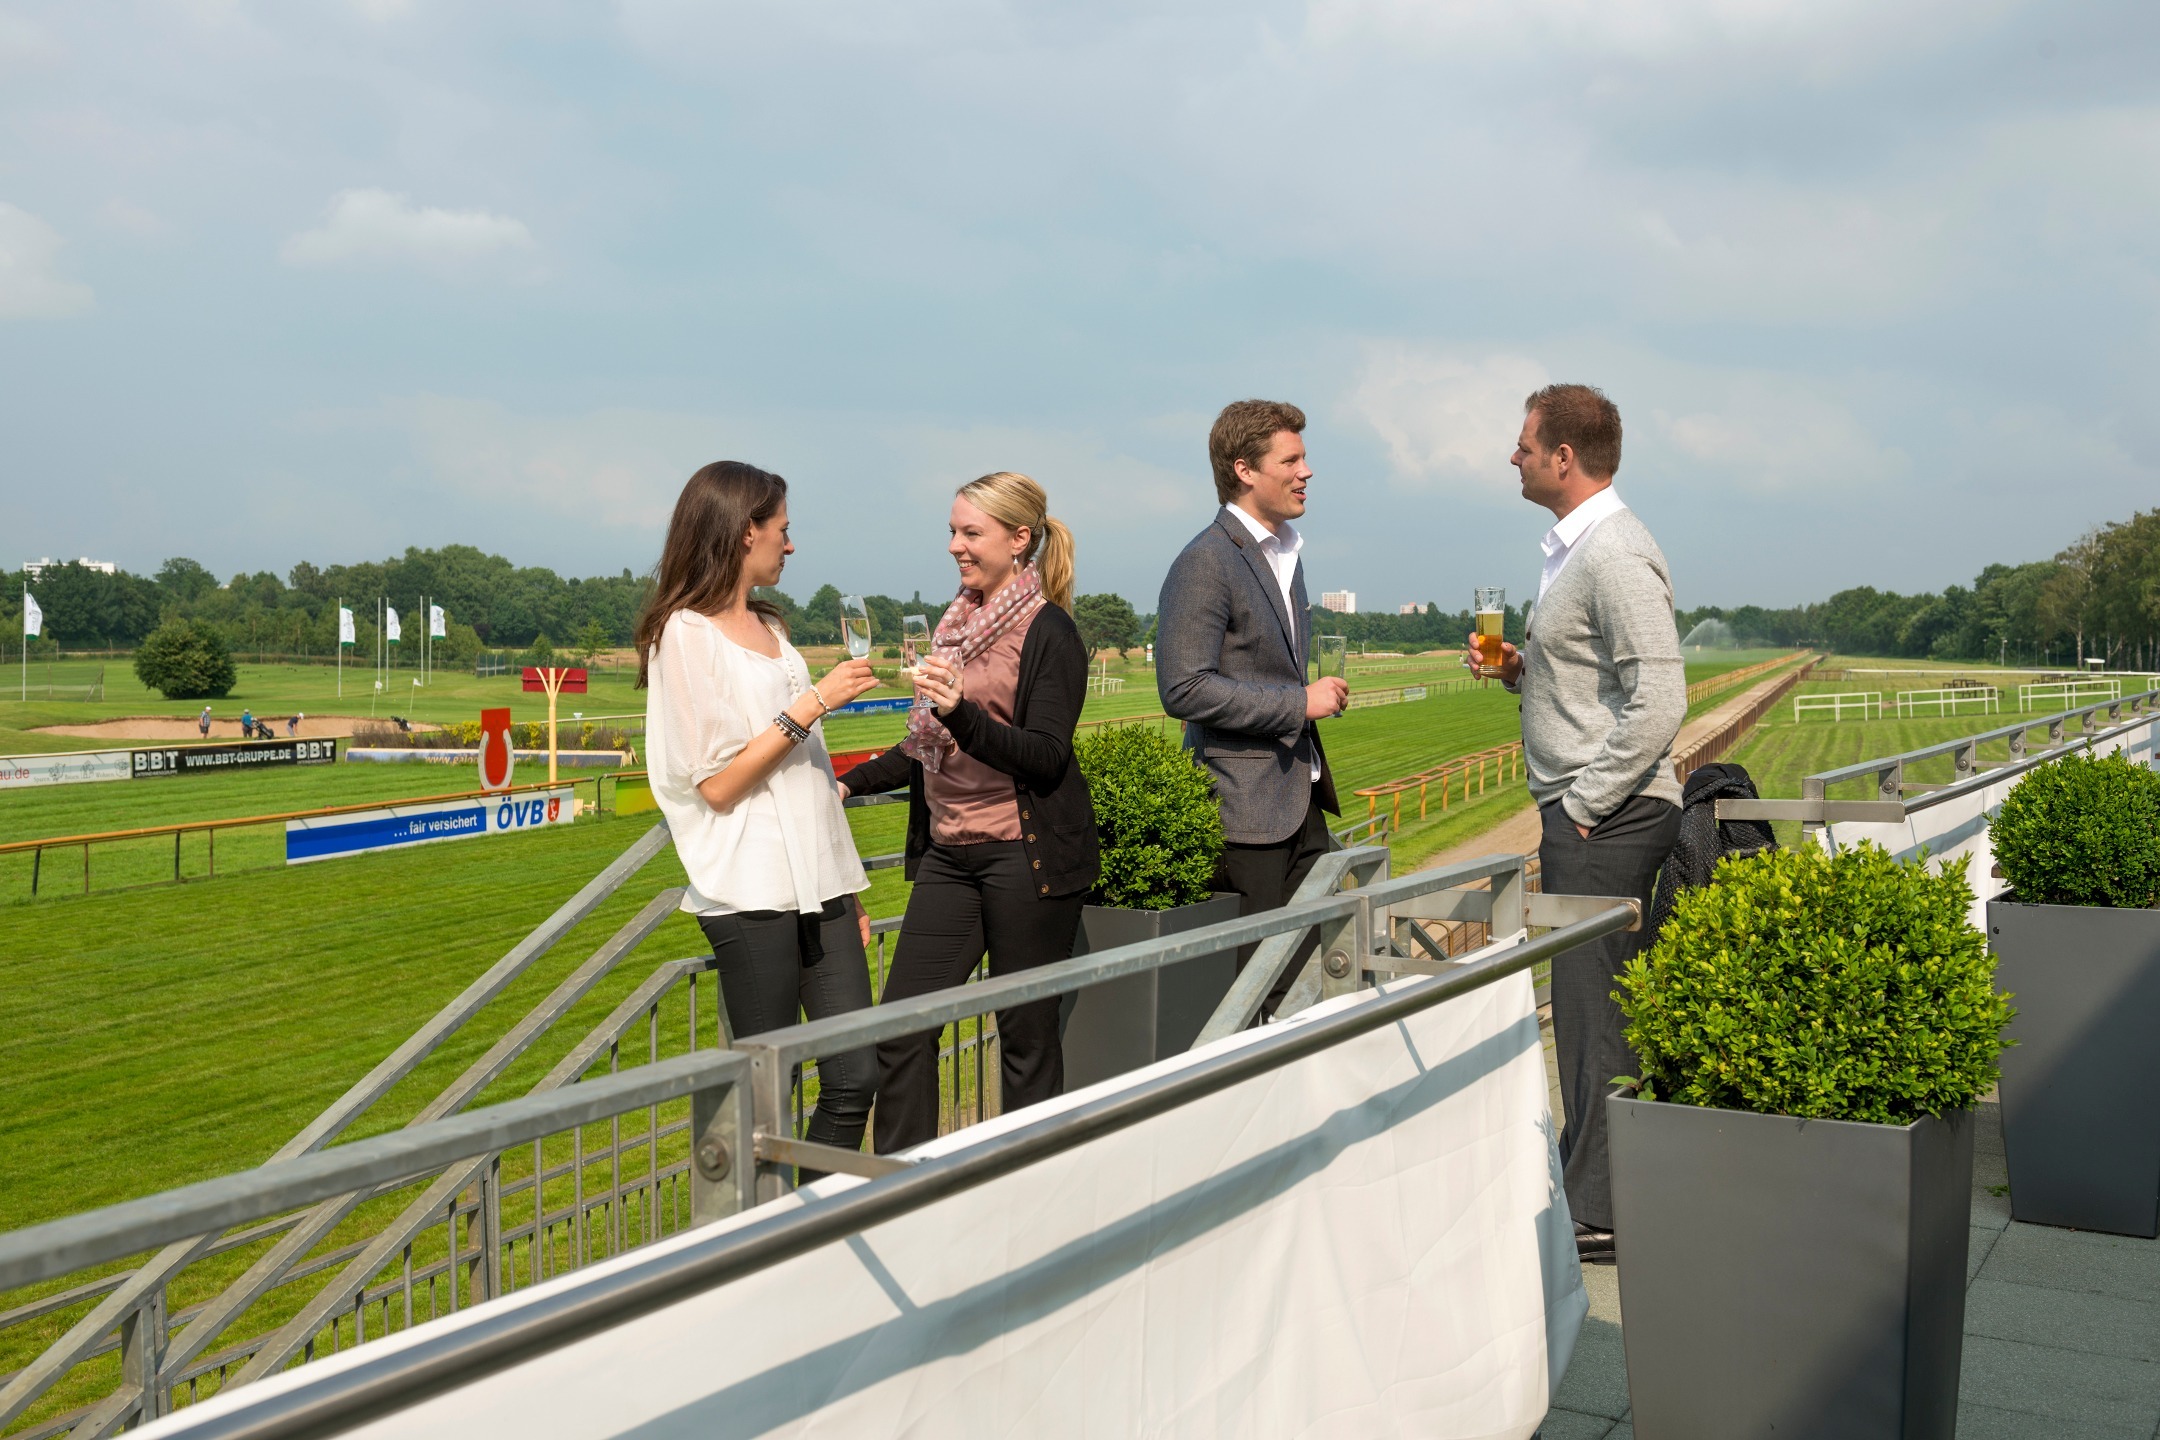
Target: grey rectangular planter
(2078,1083)
(1123,1024)
(1790,1278)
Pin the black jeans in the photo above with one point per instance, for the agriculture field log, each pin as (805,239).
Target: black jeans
(969,898)
(769,978)
(1266,876)
(1621,857)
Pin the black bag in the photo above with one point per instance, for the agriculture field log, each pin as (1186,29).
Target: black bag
(1704,840)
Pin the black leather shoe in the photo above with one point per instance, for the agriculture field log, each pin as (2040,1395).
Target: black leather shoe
(1595,1246)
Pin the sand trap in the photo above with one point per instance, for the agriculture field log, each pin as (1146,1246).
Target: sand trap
(222,727)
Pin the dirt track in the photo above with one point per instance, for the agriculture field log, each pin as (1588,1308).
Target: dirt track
(222,727)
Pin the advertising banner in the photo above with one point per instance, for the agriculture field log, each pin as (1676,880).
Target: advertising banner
(239,755)
(68,767)
(396,826)
(897,706)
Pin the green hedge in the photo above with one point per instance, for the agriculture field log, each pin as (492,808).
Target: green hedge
(2082,831)
(1844,987)
(1156,812)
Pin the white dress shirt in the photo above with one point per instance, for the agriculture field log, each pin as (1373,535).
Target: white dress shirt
(1561,540)
(1280,549)
(786,844)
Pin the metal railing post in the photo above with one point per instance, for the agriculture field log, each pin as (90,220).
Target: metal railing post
(770,1114)
(142,1355)
(723,1171)
(491,1273)
(1509,910)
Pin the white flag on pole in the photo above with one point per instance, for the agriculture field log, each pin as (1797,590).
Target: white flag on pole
(345,627)
(436,629)
(33,619)
(390,630)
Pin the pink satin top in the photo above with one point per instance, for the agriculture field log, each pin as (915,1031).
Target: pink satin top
(971,803)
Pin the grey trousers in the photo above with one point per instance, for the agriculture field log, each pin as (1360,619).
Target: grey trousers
(1621,857)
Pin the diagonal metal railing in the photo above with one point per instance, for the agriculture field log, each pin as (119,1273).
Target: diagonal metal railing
(135,1307)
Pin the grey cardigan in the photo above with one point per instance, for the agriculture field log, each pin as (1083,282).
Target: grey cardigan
(1603,686)
(1231,664)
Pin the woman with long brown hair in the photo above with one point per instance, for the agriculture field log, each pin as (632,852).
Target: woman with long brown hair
(736,755)
(1001,833)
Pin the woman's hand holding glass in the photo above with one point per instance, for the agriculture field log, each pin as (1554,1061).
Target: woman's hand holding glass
(849,680)
(938,677)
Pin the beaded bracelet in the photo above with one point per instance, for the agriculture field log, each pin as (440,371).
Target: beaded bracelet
(791,727)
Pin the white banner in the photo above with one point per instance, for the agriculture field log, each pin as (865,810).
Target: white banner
(33,619)
(345,627)
(1960,827)
(436,629)
(390,628)
(70,767)
(1372,1241)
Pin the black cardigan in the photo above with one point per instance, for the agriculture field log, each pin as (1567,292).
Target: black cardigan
(1057,817)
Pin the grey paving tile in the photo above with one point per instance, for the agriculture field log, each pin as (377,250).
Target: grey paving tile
(2064,1319)
(2076,1260)
(1985,1422)
(2060,1385)
(1603,1284)
(1977,1249)
(1991,1211)
(1596,1381)
(1572,1425)
(1623,1431)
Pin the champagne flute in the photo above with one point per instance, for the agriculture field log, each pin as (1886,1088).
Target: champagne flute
(914,637)
(855,625)
(945,650)
(1489,604)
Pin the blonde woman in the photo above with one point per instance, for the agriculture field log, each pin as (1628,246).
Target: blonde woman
(736,753)
(1001,833)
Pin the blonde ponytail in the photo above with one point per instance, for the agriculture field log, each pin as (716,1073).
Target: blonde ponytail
(1015,501)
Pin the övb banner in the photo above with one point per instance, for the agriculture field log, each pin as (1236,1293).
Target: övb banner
(396,826)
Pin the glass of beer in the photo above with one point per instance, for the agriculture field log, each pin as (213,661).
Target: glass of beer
(1489,605)
(855,625)
(914,640)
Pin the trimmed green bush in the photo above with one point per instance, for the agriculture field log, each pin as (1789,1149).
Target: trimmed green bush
(1844,987)
(1156,812)
(185,661)
(2082,831)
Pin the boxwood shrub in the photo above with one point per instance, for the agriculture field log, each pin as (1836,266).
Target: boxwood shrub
(1156,812)
(2082,831)
(1845,987)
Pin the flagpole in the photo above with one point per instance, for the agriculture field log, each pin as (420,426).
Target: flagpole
(26,644)
(337,643)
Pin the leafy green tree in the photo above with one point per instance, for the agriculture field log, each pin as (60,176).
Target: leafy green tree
(1106,622)
(591,641)
(185,661)
(184,581)
(540,652)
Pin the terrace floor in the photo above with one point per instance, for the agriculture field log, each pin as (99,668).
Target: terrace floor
(2062,1330)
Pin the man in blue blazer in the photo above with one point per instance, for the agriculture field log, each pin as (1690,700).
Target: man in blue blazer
(1232,638)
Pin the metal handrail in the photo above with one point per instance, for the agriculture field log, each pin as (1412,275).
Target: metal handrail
(1868,769)
(382,1384)
(213,1206)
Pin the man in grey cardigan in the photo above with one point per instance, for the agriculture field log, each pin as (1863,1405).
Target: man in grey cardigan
(1603,694)
(1230,650)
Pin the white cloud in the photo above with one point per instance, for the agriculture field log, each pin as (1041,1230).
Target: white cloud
(22,42)
(1776,438)
(132,219)
(31,286)
(376,227)
(1445,418)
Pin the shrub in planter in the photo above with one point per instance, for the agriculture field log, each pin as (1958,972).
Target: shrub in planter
(1156,812)
(2084,830)
(185,661)
(1161,834)
(1845,987)
(1792,1208)
(2078,939)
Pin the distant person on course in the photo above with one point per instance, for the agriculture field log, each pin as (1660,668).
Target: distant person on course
(1230,651)
(247,721)
(292,724)
(202,722)
(1001,838)
(737,757)
(1603,694)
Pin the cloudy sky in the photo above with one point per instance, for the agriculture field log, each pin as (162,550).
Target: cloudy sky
(1873,283)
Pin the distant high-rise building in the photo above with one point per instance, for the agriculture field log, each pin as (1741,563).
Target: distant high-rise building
(1411,609)
(36,568)
(1342,602)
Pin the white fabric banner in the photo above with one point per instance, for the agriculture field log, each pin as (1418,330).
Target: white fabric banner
(390,628)
(33,619)
(66,767)
(435,628)
(1960,827)
(345,627)
(1370,1242)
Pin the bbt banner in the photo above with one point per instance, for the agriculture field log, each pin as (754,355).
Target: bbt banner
(224,759)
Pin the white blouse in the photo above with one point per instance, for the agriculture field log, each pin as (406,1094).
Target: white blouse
(786,844)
